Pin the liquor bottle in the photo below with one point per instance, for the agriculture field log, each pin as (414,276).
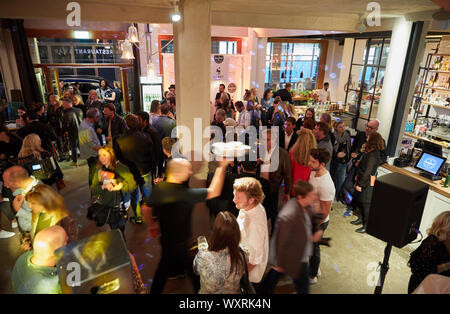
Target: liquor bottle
(447,180)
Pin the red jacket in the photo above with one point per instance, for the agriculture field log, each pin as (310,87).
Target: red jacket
(298,172)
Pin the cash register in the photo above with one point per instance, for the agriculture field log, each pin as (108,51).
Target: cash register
(430,164)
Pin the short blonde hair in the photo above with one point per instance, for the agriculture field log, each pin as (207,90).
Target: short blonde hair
(440,226)
(251,187)
(31,145)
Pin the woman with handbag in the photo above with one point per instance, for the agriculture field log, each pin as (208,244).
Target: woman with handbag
(365,177)
(221,266)
(112,187)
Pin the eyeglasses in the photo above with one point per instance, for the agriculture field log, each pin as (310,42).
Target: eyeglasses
(370,127)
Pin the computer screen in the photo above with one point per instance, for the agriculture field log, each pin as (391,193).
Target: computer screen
(433,148)
(430,163)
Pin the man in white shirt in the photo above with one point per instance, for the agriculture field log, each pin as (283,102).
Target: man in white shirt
(244,118)
(17,179)
(324,190)
(324,93)
(248,196)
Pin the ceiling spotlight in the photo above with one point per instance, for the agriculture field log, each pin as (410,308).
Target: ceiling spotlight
(176,15)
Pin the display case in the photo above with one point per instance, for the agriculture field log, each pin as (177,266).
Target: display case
(431,101)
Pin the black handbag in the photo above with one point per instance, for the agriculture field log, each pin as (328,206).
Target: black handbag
(102,214)
(246,285)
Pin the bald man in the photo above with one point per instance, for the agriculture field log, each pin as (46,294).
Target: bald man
(361,137)
(171,203)
(19,181)
(35,271)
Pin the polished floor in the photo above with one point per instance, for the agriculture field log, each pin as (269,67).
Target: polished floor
(347,267)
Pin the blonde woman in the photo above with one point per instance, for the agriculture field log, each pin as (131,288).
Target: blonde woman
(32,149)
(77,102)
(433,254)
(48,210)
(299,156)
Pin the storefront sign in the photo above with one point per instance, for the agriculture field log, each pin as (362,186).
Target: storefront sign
(100,51)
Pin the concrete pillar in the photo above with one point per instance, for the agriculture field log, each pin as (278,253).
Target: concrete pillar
(261,66)
(394,69)
(404,100)
(345,68)
(192,39)
(8,65)
(192,74)
(332,72)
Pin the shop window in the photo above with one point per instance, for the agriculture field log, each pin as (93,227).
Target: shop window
(291,63)
(365,81)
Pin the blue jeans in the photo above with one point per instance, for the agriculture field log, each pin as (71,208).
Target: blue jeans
(146,189)
(340,177)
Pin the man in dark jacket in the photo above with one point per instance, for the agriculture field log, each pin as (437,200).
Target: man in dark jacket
(321,132)
(71,119)
(113,125)
(225,201)
(135,150)
(284,93)
(291,246)
(276,168)
(145,127)
(43,130)
(361,138)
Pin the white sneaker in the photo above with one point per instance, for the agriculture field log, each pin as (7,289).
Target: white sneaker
(312,281)
(14,224)
(6,234)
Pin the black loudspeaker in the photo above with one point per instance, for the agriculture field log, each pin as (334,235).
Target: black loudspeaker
(99,264)
(396,209)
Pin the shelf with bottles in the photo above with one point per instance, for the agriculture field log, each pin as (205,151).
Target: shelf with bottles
(440,63)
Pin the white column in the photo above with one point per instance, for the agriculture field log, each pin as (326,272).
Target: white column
(417,63)
(192,42)
(261,65)
(332,73)
(394,69)
(345,69)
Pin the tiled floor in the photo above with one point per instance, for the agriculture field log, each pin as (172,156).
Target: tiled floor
(347,266)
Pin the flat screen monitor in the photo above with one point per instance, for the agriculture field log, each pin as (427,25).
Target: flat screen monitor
(430,147)
(430,163)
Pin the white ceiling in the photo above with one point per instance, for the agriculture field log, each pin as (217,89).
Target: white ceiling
(323,15)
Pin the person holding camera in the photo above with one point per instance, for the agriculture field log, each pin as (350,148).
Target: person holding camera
(105,94)
(112,186)
(341,156)
(32,153)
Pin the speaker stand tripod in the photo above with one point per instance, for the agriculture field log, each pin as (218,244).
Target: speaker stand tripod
(384,269)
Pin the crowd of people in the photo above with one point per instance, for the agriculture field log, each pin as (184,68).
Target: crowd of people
(268,222)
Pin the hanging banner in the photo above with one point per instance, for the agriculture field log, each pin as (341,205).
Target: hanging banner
(219,68)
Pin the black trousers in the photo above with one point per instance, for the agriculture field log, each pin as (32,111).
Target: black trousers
(173,256)
(73,140)
(92,164)
(274,213)
(314,260)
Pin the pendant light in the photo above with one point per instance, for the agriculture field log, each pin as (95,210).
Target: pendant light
(133,34)
(127,50)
